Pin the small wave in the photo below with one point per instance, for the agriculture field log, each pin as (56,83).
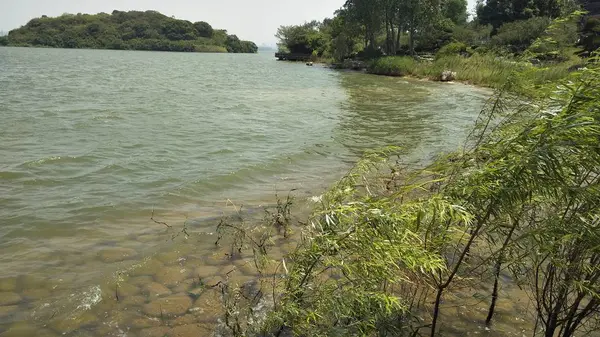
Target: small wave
(90,298)
(316,198)
(107,118)
(12,175)
(221,151)
(68,308)
(54,160)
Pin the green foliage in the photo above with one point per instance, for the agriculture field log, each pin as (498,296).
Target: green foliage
(3,40)
(456,10)
(368,28)
(590,40)
(235,45)
(453,49)
(522,195)
(135,30)
(499,12)
(558,39)
(518,35)
(393,66)
(303,39)
(472,34)
(203,29)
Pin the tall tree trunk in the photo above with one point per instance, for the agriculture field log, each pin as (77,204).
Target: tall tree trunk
(412,32)
(412,41)
(387,34)
(398,38)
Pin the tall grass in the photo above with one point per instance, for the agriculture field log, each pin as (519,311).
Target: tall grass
(485,70)
(393,66)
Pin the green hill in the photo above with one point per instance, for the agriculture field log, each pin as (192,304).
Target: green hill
(134,30)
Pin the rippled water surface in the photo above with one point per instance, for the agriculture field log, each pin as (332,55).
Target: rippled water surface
(93,142)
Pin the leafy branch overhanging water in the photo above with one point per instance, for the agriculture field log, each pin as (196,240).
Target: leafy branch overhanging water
(383,252)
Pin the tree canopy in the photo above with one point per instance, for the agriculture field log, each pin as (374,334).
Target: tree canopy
(136,30)
(498,12)
(372,28)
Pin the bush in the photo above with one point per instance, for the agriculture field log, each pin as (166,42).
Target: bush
(590,39)
(204,48)
(3,41)
(433,38)
(393,66)
(557,41)
(454,48)
(517,36)
(472,34)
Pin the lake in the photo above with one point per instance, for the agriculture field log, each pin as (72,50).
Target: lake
(94,143)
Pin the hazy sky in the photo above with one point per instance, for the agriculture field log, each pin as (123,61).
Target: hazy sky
(251,20)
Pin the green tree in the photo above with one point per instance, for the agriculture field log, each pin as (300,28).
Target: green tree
(149,30)
(455,10)
(203,29)
(368,14)
(303,39)
(498,12)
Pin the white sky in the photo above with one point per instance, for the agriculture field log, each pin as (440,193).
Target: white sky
(251,20)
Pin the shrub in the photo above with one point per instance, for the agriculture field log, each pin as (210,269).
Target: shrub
(393,66)
(518,35)
(454,48)
(590,39)
(472,34)
(557,41)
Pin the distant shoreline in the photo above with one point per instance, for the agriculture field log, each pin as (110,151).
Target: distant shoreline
(133,30)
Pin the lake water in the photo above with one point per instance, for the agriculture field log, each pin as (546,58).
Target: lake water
(92,143)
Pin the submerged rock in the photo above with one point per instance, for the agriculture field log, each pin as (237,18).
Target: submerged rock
(158,331)
(206,271)
(36,294)
(208,307)
(22,329)
(127,290)
(168,306)
(8,284)
(141,281)
(238,279)
(149,267)
(171,276)
(169,258)
(68,325)
(112,255)
(8,298)
(185,285)
(134,300)
(8,310)
(246,267)
(155,289)
(191,330)
(145,322)
(34,282)
(184,320)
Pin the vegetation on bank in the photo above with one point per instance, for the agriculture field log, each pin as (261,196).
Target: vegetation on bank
(393,250)
(367,29)
(394,254)
(133,30)
(545,39)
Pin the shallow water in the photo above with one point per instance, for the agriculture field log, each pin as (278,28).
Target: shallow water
(94,142)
